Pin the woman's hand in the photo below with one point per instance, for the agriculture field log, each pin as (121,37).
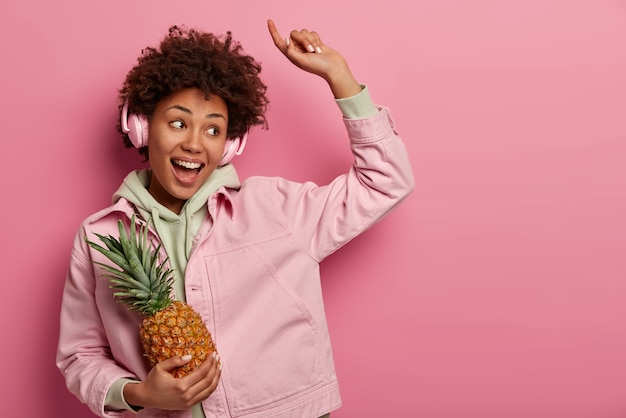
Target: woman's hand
(306,50)
(161,390)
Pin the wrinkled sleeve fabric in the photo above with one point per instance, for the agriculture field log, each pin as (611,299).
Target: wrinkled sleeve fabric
(327,217)
(83,354)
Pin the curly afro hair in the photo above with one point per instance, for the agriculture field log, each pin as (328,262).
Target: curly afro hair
(189,58)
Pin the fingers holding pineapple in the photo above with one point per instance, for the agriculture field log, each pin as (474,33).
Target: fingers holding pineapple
(204,379)
(161,390)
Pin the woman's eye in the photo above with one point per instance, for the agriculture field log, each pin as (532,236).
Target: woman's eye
(213,131)
(177,124)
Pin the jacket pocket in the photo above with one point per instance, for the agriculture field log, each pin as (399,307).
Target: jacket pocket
(267,337)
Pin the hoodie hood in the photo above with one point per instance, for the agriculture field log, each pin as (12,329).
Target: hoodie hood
(176,231)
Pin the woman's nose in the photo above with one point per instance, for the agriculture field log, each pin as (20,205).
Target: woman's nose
(193,142)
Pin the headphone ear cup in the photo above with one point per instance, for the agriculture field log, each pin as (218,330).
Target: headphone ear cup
(230,150)
(138,130)
(233,147)
(136,126)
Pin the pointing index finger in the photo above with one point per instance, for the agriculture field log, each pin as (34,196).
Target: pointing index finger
(276,37)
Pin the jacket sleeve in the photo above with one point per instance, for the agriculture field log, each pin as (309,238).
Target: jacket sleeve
(83,353)
(329,216)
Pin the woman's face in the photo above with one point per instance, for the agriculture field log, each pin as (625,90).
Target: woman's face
(186,142)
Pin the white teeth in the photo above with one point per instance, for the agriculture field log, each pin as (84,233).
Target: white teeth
(187,164)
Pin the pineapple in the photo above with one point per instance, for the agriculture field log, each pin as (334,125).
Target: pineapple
(169,327)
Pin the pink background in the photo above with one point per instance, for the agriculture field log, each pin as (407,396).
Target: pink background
(497,290)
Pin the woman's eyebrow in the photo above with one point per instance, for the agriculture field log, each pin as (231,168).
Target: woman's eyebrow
(184,109)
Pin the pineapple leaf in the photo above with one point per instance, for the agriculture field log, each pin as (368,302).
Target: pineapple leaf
(164,284)
(133,294)
(114,257)
(111,243)
(131,252)
(145,256)
(142,283)
(126,282)
(166,278)
(154,265)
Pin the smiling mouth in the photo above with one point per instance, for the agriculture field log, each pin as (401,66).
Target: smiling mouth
(186,164)
(186,169)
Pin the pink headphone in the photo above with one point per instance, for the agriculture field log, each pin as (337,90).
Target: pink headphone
(136,126)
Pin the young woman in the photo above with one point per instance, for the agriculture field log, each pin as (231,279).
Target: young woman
(245,255)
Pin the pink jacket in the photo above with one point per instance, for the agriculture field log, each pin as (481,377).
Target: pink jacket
(253,275)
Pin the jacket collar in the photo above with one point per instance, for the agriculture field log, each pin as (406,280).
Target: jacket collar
(122,206)
(220,202)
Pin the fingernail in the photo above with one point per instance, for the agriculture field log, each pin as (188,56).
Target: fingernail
(310,48)
(287,41)
(187,357)
(214,355)
(318,50)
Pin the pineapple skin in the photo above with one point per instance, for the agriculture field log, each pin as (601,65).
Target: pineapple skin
(176,330)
